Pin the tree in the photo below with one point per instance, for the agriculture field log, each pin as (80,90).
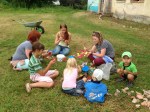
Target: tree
(28,3)
(77,4)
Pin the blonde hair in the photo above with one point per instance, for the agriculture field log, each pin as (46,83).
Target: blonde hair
(71,64)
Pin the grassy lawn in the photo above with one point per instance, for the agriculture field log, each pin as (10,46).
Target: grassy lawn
(122,34)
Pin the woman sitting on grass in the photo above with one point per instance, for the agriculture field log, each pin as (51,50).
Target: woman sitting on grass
(102,51)
(62,41)
(20,59)
(41,77)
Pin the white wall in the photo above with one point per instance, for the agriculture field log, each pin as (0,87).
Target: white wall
(147,7)
(138,12)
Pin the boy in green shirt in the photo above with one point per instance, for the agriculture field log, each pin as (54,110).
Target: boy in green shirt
(127,69)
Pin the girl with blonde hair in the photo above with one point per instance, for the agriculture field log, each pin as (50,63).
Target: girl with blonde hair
(70,84)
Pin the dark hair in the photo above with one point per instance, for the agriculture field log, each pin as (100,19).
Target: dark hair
(98,35)
(36,46)
(34,36)
(66,35)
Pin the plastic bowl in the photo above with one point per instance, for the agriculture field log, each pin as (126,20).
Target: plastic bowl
(60,57)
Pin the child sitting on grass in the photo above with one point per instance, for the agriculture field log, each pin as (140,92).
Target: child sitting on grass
(41,77)
(70,84)
(95,90)
(127,69)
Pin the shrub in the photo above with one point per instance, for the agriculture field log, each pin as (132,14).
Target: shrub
(27,3)
(76,4)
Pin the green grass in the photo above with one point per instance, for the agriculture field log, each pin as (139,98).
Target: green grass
(124,35)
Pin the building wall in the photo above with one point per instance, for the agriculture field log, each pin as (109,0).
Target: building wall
(135,11)
(99,6)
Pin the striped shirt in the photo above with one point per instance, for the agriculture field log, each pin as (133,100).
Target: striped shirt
(34,65)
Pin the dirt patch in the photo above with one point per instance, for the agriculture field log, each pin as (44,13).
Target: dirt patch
(5,22)
(79,14)
(92,17)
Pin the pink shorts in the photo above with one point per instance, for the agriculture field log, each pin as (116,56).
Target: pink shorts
(38,78)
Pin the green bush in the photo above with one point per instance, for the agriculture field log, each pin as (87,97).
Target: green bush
(76,4)
(4,2)
(80,4)
(27,3)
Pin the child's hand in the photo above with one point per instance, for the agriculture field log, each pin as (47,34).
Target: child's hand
(86,49)
(125,72)
(120,71)
(61,39)
(46,54)
(52,61)
(49,53)
(66,41)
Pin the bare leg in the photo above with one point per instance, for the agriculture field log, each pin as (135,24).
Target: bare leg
(42,84)
(29,86)
(130,80)
(54,75)
(130,77)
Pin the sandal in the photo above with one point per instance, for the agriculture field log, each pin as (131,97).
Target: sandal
(28,88)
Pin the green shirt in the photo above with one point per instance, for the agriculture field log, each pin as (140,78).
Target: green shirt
(131,67)
(34,65)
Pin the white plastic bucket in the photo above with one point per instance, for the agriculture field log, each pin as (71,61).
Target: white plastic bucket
(60,57)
